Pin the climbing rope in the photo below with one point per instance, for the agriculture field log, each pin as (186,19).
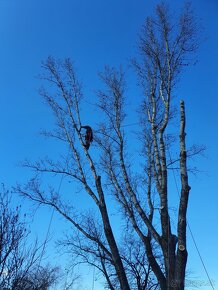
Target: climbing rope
(52,215)
(93,279)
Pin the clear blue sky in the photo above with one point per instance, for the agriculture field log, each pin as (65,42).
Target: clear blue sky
(95,33)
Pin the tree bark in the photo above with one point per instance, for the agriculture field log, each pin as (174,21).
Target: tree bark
(118,264)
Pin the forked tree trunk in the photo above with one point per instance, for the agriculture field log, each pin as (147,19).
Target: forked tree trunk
(176,280)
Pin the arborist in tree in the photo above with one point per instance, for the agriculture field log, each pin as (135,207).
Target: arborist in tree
(88,136)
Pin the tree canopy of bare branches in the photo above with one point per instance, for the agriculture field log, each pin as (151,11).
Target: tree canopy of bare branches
(154,251)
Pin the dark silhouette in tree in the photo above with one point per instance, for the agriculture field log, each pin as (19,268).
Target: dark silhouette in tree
(166,45)
(88,136)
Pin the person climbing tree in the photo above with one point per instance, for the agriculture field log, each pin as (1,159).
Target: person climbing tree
(88,136)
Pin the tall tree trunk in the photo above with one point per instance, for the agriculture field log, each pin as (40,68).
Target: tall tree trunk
(118,264)
(182,253)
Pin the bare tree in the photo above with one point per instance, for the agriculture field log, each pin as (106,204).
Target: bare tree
(37,278)
(142,195)
(18,263)
(166,47)
(66,107)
